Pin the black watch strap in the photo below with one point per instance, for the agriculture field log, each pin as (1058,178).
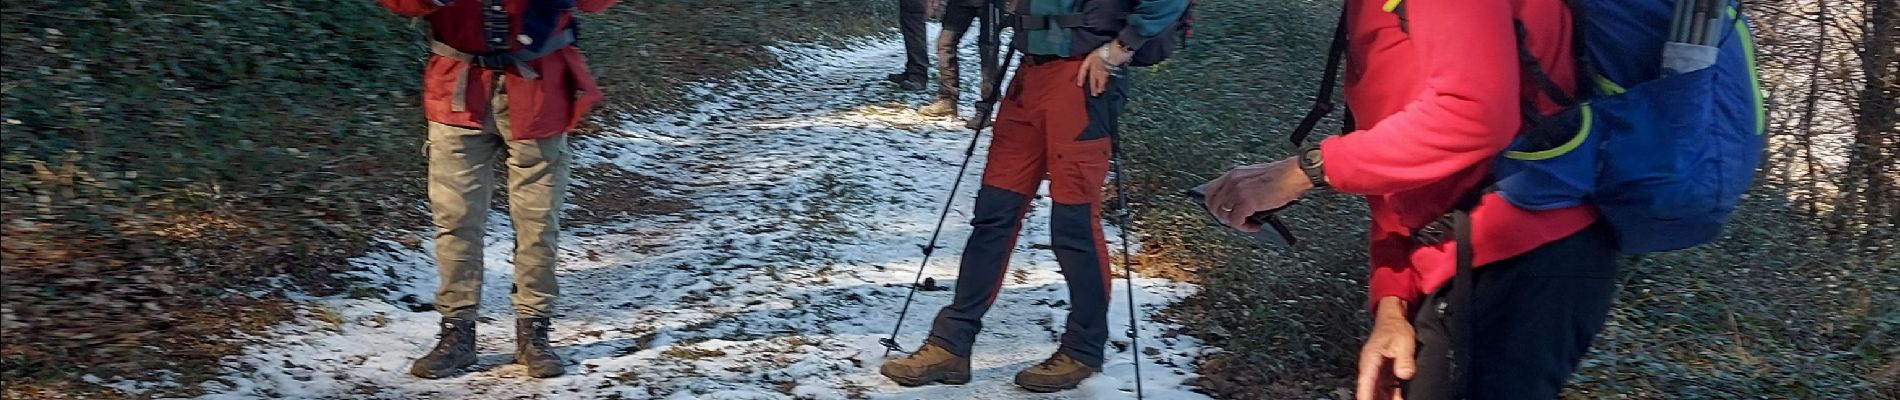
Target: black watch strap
(1313,165)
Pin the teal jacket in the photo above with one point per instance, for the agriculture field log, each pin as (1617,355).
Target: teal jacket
(1075,27)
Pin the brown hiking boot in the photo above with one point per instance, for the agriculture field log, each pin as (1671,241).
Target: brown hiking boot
(1058,373)
(940,108)
(981,119)
(454,350)
(930,364)
(532,348)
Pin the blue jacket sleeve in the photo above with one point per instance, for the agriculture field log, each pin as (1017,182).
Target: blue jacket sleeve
(1148,18)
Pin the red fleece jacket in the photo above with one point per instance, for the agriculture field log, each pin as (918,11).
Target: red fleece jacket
(537,108)
(1437,104)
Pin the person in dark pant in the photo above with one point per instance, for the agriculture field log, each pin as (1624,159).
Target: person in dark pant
(910,23)
(1524,344)
(957,16)
(1438,94)
(1058,122)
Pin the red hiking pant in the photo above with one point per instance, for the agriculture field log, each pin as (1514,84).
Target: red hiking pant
(1046,128)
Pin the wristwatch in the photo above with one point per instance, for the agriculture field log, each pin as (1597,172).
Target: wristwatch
(1311,163)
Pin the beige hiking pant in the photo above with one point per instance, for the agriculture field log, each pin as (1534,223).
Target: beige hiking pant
(461,182)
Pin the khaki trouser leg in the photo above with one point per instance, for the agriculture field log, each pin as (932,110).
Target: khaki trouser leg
(461,184)
(537,186)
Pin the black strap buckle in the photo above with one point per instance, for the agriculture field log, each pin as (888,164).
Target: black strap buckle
(1434,232)
(493,61)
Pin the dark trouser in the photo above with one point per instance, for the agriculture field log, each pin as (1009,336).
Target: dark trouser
(957,16)
(1536,316)
(1047,126)
(910,22)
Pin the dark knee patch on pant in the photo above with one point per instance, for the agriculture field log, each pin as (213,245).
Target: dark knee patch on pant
(997,207)
(997,222)
(1074,231)
(1071,229)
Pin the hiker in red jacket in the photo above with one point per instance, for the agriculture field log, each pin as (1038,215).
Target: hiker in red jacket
(505,84)
(1436,87)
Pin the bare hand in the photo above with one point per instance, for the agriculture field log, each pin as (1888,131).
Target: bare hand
(1254,188)
(1095,72)
(1387,359)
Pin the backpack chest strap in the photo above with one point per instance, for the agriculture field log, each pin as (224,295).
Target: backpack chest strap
(497,61)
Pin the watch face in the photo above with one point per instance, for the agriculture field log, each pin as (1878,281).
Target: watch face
(1311,158)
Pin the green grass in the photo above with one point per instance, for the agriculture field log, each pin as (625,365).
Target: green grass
(1775,310)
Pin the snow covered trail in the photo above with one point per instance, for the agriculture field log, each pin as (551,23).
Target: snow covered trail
(812,187)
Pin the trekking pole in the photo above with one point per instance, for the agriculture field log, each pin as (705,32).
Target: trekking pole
(1128,266)
(976,133)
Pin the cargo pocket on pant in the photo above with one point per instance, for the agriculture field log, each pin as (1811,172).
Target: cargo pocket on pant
(1077,170)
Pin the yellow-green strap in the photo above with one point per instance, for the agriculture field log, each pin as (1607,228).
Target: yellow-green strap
(1754,76)
(1608,86)
(1583,132)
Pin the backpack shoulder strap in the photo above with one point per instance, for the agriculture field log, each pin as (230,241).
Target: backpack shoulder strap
(1397,7)
(1323,103)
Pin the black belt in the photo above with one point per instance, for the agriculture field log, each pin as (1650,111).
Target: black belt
(1043,22)
(1037,59)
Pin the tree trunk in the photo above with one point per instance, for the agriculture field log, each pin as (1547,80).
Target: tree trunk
(1873,172)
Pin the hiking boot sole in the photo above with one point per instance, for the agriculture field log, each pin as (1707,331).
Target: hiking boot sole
(532,373)
(558,371)
(947,378)
(1046,389)
(440,373)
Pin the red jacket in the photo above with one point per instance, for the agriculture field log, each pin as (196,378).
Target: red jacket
(537,108)
(1437,105)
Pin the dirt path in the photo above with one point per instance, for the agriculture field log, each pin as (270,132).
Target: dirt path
(812,188)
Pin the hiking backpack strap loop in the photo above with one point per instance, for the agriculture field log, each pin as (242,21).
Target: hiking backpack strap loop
(1397,7)
(494,26)
(1535,69)
(1323,101)
(1464,319)
(1585,69)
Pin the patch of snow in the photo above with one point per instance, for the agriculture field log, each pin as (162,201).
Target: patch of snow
(813,186)
(165,380)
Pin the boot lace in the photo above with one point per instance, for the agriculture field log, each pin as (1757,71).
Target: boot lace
(538,338)
(446,340)
(1051,363)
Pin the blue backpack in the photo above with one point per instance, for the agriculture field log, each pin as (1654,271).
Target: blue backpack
(1664,157)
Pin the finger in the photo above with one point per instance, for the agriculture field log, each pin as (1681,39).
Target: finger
(1237,216)
(1241,223)
(1100,80)
(1082,74)
(1217,198)
(1370,366)
(1404,363)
